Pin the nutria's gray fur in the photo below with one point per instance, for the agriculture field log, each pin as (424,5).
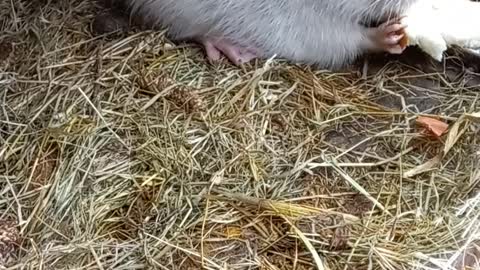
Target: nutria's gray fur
(327,33)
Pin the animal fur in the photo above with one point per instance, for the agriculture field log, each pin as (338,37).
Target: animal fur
(326,33)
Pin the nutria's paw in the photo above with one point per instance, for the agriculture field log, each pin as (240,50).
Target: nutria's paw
(388,37)
(236,54)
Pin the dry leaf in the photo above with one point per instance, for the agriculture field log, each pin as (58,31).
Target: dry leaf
(432,125)
(438,128)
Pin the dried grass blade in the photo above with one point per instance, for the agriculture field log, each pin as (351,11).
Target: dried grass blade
(310,247)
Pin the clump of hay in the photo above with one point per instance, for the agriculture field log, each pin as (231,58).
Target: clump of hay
(128,153)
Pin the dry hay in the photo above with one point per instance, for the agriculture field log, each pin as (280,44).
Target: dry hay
(128,153)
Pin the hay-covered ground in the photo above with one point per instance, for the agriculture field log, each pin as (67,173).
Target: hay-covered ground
(129,153)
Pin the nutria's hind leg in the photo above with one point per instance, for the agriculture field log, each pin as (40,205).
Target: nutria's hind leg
(238,55)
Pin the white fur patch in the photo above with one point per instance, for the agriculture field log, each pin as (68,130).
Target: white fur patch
(434,25)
